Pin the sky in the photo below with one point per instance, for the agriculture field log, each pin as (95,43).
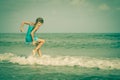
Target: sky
(61,16)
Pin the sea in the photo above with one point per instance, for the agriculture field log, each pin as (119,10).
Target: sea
(65,56)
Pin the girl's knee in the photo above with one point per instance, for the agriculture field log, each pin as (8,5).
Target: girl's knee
(41,40)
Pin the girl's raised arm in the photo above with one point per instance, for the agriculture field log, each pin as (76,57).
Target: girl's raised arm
(23,23)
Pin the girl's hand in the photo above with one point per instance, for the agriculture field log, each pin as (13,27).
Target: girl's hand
(21,29)
(34,43)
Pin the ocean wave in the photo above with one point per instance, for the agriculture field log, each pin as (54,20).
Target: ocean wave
(89,62)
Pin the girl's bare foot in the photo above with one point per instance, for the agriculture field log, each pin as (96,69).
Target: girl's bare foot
(33,52)
(39,53)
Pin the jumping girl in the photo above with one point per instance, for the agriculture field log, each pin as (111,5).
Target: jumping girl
(30,36)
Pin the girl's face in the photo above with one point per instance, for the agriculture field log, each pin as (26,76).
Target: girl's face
(38,24)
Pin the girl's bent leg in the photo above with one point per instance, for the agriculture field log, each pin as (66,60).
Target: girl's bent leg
(37,49)
(40,43)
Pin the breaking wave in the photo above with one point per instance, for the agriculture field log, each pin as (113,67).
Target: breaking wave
(89,62)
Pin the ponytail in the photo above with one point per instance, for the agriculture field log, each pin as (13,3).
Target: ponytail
(39,20)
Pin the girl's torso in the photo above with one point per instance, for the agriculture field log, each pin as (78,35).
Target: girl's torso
(28,34)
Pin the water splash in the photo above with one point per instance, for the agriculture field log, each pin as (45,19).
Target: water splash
(89,62)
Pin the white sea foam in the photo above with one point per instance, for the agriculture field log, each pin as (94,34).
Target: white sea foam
(103,63)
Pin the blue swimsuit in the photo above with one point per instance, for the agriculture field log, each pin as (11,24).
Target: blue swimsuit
(28,35)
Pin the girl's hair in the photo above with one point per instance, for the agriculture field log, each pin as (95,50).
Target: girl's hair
(39,20)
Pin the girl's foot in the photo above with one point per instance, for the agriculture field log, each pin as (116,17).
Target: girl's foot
(33,52)
(39,53)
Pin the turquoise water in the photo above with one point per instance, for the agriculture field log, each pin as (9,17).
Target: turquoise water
(66,56)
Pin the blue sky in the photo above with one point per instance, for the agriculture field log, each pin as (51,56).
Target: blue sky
(62,16)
